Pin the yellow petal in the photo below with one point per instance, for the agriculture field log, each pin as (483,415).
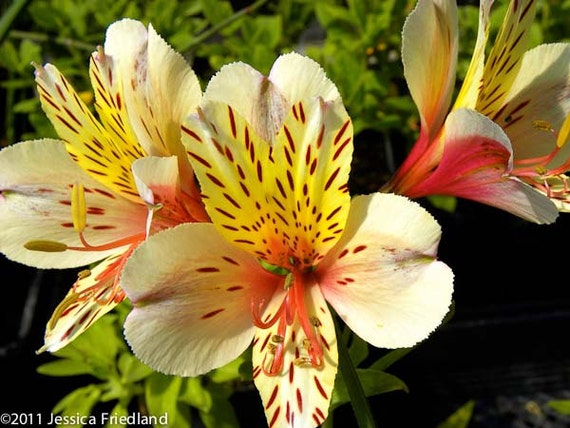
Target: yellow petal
(467,97)
(289,200)
(504,60)
(102,155)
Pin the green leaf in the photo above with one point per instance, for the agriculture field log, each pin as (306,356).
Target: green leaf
(9,58)
(161,396)
(121,412)
(358,349)
(195,394)
(561,406)
(374,382)
(216,10)
(132,369)
(460,418)
(222,413)
(29,52)
(79,402)
(231,371)
(97,347)
(443,202)
(65,367)
(390,358)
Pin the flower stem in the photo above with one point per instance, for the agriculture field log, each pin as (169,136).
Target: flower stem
(9,16)
(202,37)
(358,399)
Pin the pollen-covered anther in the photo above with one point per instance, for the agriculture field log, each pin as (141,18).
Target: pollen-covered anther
(542,125)
(45,246)
(277,338)
(85,273)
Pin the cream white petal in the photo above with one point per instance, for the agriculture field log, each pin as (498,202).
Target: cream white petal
(383,277)
(36,178)
(159,86)
(299,77)
(429,54)
(541,91)
(265,101)
(191,292)
(156,175)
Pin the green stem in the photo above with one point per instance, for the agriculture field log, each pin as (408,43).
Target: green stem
(358,399)
(200,38)
(9,16)
(41,37)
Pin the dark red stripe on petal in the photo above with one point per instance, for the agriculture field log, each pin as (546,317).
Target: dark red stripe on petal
(272,397)
(191,133)
(212,314)
(208,269)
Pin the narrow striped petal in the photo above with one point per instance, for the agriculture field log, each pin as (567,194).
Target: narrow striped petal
(35,204)
(540,93)
(105,157)
(383,277)
(191,292)
(308,188)
(299,395)
(159,86)
(504,61)
(227,156)
(467,97)
(95,293)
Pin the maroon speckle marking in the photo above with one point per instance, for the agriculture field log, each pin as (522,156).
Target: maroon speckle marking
(191,133)
(331,178)
(103,227)
(213,313)
(215,180)
(232,122)
(275,416)
(230,260)
(299,400)
(200,159)
(359,249)
(208,269)
(234,288)
(341,132)
(272,397)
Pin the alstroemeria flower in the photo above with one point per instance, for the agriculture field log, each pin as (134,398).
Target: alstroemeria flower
(96,194)
(481,150)
(272,155)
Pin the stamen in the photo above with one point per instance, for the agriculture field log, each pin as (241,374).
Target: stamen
(151,210)
(78,208)
(45,246)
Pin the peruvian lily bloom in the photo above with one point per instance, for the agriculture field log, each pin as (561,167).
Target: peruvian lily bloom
(491,147)
(272,155)
(97,193)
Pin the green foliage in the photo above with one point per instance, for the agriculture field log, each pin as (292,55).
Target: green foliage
(561,406)
(121,379)
(460,418)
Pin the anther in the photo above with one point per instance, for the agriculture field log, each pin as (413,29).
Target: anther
(83,274)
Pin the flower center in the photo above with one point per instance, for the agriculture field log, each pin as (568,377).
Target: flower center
(293,308)
(535,171)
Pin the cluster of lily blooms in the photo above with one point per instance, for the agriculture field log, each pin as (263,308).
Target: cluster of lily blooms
(224,215)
